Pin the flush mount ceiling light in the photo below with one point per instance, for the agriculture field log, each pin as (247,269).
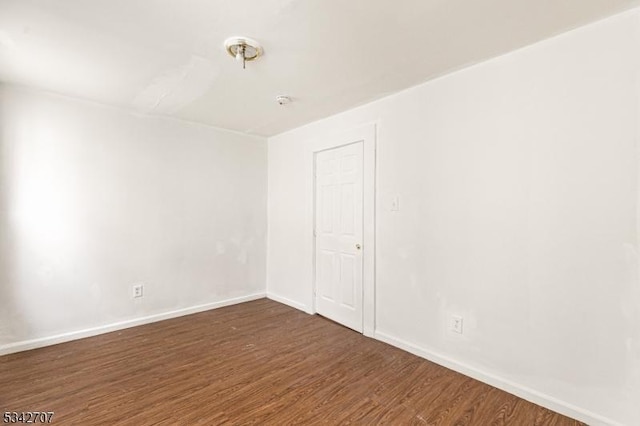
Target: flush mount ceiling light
(243,49)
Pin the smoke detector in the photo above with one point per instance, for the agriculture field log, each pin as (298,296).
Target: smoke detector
(283,99)
(243,49)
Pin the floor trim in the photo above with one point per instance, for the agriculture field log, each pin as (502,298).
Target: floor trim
(521,391)
(26,345)
(288,302)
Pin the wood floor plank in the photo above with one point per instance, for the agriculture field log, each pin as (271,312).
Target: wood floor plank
(256,363)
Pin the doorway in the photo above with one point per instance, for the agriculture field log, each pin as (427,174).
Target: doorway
(343,260)
(338,234)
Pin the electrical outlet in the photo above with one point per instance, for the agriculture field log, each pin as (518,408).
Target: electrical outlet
(456,324)
(137,290)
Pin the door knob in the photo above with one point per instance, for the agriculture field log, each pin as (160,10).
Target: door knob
(358,246)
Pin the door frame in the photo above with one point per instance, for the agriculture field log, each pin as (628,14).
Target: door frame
(367,135)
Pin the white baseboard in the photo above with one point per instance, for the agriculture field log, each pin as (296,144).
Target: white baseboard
(26,345)
(519,390)
(287,301)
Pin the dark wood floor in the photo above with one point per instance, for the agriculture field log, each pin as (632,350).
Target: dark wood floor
(255,363)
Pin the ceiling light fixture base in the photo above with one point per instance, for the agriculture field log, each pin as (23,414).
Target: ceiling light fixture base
(243,49)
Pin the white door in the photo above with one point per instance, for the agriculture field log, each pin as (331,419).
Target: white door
(338,232)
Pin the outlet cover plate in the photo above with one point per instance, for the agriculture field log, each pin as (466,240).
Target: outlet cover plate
(456,324)
(137,290)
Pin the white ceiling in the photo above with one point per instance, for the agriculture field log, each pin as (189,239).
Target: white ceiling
(167,56)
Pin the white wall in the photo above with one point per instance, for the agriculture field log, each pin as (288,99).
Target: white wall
(518,181)
(94,199)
